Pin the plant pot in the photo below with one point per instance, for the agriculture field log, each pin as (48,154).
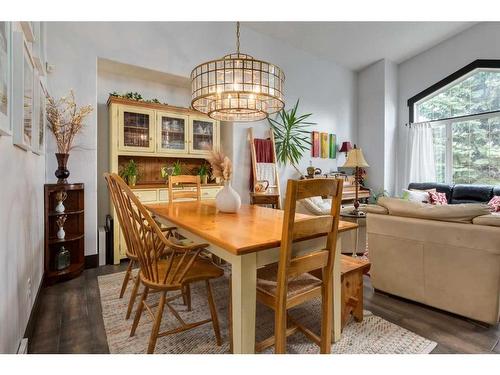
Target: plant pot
(204,179)
(131,180)
(62,172)
(227,200)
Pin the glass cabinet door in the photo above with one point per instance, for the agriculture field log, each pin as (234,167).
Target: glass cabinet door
(136,129)
(172,133)
(203,135)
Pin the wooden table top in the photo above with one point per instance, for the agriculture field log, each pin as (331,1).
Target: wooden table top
(252,229)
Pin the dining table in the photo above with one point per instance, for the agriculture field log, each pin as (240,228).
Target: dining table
(248,239)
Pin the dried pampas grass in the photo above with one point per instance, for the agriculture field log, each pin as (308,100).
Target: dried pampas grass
(65,120)
(222,166)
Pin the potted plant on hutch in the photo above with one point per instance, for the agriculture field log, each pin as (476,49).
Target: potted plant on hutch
(130,173)
(65,121)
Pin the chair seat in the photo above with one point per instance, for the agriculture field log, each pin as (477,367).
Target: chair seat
(202,269)
(267,282)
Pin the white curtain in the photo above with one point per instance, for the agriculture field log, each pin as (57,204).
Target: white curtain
(422,167)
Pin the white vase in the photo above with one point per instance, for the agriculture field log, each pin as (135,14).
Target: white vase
(228,200)
(60,207)
(61,233)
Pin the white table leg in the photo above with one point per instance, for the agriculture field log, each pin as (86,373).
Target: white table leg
(244,283)
(337,293)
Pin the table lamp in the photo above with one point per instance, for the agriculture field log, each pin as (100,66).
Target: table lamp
(346,147)
(356,160)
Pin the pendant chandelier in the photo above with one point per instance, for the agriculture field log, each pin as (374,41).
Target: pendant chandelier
(237,87)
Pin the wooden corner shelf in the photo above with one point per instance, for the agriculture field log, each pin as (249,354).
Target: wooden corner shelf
(74,241)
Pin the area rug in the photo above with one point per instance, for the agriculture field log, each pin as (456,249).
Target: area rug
(373,335)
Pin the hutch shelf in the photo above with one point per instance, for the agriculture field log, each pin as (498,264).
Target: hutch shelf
(71,247)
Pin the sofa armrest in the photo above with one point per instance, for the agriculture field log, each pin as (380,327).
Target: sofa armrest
(374,209)
(492,219)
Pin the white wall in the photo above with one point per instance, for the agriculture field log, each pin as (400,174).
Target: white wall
(21,238)
(325,89)
(429,67)
(371,121)
(377,112)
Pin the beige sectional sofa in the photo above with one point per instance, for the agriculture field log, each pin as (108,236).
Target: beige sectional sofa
(447,257)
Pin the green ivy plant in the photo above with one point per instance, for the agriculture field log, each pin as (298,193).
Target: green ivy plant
(291,136)
(135,96)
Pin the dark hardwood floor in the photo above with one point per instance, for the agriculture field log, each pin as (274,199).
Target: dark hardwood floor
(69,320)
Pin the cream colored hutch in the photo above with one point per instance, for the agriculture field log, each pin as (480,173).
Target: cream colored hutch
(156,134)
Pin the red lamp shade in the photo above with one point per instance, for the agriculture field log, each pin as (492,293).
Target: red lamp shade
(346,147)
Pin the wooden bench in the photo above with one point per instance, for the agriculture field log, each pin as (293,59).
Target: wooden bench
(352,271)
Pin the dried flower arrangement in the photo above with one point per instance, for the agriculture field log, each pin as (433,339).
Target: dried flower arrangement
(222,166)
(65,120)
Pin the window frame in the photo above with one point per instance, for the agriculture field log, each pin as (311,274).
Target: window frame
(477,64)
(448,122)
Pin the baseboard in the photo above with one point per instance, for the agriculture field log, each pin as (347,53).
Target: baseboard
(91,261)
(30,327)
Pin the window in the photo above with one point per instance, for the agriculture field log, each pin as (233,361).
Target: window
(465,117)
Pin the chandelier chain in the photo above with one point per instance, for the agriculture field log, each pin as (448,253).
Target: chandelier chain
(238,37)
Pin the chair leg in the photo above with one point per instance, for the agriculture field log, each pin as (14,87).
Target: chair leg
(280,329)
(138,312)
(188,297)
(326,316)
(213,313)
(156,324)
(126,278)
(230,315)
(133,296)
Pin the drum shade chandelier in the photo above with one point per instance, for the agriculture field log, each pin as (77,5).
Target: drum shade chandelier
(237,87)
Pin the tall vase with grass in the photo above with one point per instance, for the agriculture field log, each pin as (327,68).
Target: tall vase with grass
(291,135)
(65,121)
(227,200)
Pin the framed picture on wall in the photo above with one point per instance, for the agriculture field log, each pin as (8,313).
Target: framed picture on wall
(315,144)
(36,114)
(5,78)
(324,145)
(40,116)
(22,92)
(333,146)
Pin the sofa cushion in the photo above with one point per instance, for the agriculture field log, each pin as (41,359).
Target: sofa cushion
(440,188)
(461,213)
(374,209)
(437,198)
(496,190)
(317,205)
(492,219)
(494,204)
(471,193)
(413,195)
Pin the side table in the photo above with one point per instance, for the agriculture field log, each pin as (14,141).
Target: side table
(355,217)
(264,198)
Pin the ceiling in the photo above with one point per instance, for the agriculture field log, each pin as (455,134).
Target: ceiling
(356,45)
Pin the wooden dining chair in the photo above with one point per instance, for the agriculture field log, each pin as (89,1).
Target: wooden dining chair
(289,282)
(180,194)
(113,188)
(165,266)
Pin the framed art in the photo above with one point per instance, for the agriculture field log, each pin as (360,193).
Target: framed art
(333,146)
(5,78)
(22,92)
(315,144)
(324,145)
(40,116)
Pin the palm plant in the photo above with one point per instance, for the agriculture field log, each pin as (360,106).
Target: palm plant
(291,136)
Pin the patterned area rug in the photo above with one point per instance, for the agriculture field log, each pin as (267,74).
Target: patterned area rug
(372,336)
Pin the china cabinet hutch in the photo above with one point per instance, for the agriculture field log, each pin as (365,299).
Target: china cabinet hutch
(155,135)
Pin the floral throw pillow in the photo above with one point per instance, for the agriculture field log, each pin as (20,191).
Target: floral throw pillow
(494,204)
(437,198)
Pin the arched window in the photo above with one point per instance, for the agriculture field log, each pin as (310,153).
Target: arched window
(464,110)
